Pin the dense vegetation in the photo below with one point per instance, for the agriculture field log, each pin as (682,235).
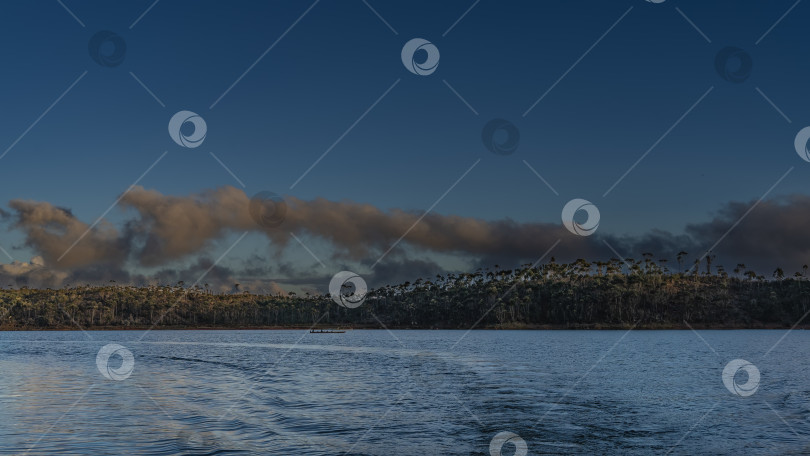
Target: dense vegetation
(581,294)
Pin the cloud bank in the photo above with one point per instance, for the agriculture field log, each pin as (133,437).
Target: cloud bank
(162,230)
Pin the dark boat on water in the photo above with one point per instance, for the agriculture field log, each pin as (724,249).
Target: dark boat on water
(326,331)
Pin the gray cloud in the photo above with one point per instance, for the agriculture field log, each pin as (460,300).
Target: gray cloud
(170,227)
(167,229)
(217,278)
(51,231)
(774,234)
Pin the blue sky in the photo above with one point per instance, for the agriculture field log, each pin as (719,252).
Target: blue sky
(607,111)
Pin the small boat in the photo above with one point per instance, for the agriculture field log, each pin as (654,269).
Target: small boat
(326,331)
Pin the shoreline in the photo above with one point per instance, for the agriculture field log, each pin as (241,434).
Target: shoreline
(518,327)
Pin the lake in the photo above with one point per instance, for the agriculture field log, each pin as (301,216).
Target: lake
(404,392)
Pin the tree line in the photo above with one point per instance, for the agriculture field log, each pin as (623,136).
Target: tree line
(581,294)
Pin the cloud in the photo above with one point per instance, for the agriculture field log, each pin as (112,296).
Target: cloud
(33,274)
(51,232)
(170,227)
(166,230)
(774,234)
(217,278)
(405,270)
(362,230)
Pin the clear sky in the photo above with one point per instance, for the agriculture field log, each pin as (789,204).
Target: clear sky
(280,83)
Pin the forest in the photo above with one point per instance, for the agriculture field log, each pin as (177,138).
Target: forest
(612,294)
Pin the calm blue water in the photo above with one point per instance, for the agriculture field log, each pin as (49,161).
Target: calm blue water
(405,392)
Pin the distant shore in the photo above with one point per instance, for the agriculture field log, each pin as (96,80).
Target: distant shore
(577,327)
(576,296)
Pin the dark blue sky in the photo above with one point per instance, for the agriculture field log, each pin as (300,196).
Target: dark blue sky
(420,138)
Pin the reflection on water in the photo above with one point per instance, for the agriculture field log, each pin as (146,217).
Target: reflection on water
(370,393)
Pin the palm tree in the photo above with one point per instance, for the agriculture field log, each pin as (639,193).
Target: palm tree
(681,254)
(709,259)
